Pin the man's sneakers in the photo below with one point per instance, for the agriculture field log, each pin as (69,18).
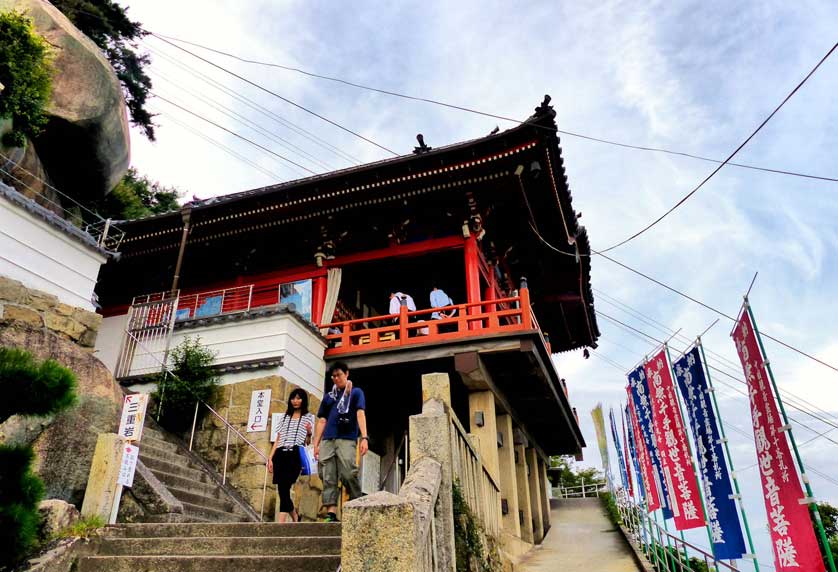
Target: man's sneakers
(331,517)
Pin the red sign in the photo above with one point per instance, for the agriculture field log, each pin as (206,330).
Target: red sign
(792,535)
(671,438)
(652,499)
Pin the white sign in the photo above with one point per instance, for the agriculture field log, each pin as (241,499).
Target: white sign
(260,404)
(130,453)
(276,419)
(133,416)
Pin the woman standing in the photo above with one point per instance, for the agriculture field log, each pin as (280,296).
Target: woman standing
(295,430)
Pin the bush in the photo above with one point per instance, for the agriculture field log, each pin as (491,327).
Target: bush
(193,378)
(32,388)
(26,74)
(610,506)
(475,550)
(20,492)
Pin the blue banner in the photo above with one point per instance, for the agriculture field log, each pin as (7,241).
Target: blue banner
(640,396)
(719,505)
(633,453)
(618,446)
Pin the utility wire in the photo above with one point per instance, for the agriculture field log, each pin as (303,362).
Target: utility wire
(231,132)
(487,114)
(723,163)
(273,93)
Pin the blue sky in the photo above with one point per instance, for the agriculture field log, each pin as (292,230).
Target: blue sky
(689,76)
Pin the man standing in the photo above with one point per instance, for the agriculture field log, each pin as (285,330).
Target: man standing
(340,421)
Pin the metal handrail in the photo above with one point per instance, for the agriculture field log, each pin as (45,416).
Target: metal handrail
(229,427)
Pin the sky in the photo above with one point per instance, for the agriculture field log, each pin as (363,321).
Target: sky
(696,77)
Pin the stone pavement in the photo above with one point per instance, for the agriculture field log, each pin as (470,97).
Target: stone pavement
(581,539)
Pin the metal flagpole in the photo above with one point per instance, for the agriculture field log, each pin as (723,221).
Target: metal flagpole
(810,500)
(692,460)
(727,454)
(666,553)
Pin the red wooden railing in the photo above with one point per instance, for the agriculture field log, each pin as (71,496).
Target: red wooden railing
(406,328)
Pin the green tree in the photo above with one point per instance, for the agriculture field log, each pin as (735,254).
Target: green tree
(137,196)
(193,378)
(26,75)
(28,388)
(564,472)
(107,24)
(829,517)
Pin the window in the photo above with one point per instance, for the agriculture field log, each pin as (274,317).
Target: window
(299,294)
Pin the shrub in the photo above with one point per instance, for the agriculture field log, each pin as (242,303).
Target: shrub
(475,550)
(83,528)
(610,506)
(32,388)
(192,378)
(26,74)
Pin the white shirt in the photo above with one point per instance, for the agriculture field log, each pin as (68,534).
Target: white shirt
(293,432)
(395,303)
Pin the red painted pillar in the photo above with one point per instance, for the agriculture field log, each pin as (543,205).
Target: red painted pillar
(318,298)
(472,266)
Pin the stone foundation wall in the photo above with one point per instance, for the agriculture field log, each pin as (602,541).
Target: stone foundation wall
(36,309)
(245,468)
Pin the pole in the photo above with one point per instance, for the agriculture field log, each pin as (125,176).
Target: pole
(692,460)
(812,505)
(666,551)
(727,454)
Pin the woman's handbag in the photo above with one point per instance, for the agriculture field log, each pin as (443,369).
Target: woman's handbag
(307,461)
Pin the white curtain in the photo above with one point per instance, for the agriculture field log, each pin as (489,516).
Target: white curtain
(333,276)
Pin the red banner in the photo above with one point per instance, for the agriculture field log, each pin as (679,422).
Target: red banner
(652,499)
(671,438)
(792,535)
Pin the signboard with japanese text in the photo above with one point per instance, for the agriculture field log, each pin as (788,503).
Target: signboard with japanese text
(260,404)
(639,393)
(130,454)
(645,470)
(719,504)
(133,416)
(792,536)
(671,438)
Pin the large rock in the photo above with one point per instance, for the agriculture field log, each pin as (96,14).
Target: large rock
(64,444)
(56,515)
(85,146)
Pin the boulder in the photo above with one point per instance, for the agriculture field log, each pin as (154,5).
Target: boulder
(56,515)
(64,443)
(85,147)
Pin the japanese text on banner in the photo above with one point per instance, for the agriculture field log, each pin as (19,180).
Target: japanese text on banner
(792,535)
(671,437)
(639,393)
(728,542)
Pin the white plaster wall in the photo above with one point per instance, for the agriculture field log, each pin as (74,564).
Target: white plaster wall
(42,257)
(109,340)
(251,339)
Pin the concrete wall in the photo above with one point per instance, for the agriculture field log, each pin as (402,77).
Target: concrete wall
(42,257)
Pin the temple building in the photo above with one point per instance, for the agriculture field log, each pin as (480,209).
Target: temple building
(283,280)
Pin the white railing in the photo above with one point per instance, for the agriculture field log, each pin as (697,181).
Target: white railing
(480,490)
(215,303)
(148,334)
(585,490)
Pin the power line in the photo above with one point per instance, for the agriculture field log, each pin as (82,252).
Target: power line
(731,156)
(273,93)
(254,105)
(231,132)
(491,115)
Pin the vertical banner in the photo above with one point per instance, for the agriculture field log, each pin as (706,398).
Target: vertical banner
(619,448)
(671,437)
(728,542)
(626,452)
(792,535)
(639,393)
(599,426)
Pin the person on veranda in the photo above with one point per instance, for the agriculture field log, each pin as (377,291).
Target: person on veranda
(296,428)
(341,421)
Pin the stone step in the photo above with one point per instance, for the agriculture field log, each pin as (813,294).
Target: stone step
(180,470)
(158,443)
(155,433)
(207,489)
(209,563)
(203,500)
(241,529)
(223,545)
(210,514)
(173,457)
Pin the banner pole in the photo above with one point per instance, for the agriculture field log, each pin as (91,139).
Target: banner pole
(692,460)
(667,548)
(727,453)
(813,505)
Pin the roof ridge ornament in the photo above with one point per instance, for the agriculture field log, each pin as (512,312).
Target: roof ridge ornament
(544,109)
(422,148)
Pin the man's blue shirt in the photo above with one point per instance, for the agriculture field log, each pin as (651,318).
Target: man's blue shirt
(329,411)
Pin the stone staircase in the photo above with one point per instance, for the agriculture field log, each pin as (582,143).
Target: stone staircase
(191,481)
(216,547)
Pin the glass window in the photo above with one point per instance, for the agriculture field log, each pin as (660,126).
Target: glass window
(299,294)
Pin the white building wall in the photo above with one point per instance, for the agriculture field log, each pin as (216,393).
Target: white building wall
(109,340)
(43,258)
